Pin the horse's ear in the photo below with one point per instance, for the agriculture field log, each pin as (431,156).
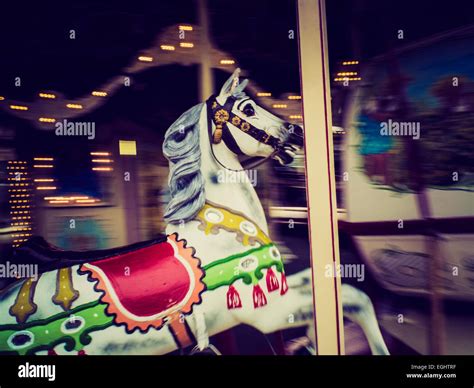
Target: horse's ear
(230,85)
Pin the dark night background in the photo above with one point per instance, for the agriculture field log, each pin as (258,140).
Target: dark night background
(34,39)
(35,45)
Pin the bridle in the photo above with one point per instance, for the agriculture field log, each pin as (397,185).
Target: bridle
(221,116)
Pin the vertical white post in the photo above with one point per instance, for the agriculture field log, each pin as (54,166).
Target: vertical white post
(206,81)
(322,211)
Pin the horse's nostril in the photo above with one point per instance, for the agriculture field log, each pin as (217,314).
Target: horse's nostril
(295,134)
(293,129)
(297,130)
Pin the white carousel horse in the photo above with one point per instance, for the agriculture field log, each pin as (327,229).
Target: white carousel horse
(216,267)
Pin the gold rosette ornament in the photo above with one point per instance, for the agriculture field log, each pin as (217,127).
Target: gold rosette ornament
(245,126)
(236,121)
(220,118)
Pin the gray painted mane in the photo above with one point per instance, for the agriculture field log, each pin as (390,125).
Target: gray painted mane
(181,148)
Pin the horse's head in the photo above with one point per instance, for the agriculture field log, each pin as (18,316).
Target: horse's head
(248,129)
(233,119)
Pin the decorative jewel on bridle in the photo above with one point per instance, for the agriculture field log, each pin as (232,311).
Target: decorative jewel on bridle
(222,115)
(220,118)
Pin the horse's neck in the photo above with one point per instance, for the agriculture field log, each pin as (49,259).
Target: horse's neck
(239,196)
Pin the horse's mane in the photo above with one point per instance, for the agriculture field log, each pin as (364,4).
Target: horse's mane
(186,184)
(182,149)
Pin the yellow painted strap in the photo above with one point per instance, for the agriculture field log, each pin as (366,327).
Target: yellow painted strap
(24,305)
(65,292)
(214,217)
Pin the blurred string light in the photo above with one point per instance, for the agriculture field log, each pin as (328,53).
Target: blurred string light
(100,153)
(71,198)
(102,160)
(144,58)
(279,106)
(167,47)
(74,106)
(47,95)
(342,79)
(94,159)
(18,107)
(40,181)
(224,61)
(98,93)
(20,202)
(44,180)
(347,76)
(83,199)
(227,62)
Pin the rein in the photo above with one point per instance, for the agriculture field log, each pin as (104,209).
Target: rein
(221,116)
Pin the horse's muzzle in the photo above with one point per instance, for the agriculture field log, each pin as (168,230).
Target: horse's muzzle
(293,143)
(296,135)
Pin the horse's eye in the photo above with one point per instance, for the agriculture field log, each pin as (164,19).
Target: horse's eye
(248,110)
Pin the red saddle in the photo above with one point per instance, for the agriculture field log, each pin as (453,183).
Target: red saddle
(148,286)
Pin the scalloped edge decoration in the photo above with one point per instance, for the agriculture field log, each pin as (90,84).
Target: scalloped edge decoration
(122,316)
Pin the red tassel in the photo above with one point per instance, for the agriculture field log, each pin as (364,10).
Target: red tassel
(81,353)
(272,281)
(284,284)
(259,298)
(51,352)
(233,298)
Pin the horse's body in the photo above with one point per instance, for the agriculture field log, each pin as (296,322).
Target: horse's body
(217,266)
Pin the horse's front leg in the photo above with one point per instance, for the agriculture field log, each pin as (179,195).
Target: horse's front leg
(358,307)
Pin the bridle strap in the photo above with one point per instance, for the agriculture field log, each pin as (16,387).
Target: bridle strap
(230,142)
(222,115)
(227,135)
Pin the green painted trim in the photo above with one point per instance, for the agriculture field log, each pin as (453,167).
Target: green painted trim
(223,272)
(236,256)
(48,332)
(45,321)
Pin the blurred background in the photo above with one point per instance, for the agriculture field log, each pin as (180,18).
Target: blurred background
(130,70)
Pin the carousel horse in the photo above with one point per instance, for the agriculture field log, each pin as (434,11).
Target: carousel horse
(215,268)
